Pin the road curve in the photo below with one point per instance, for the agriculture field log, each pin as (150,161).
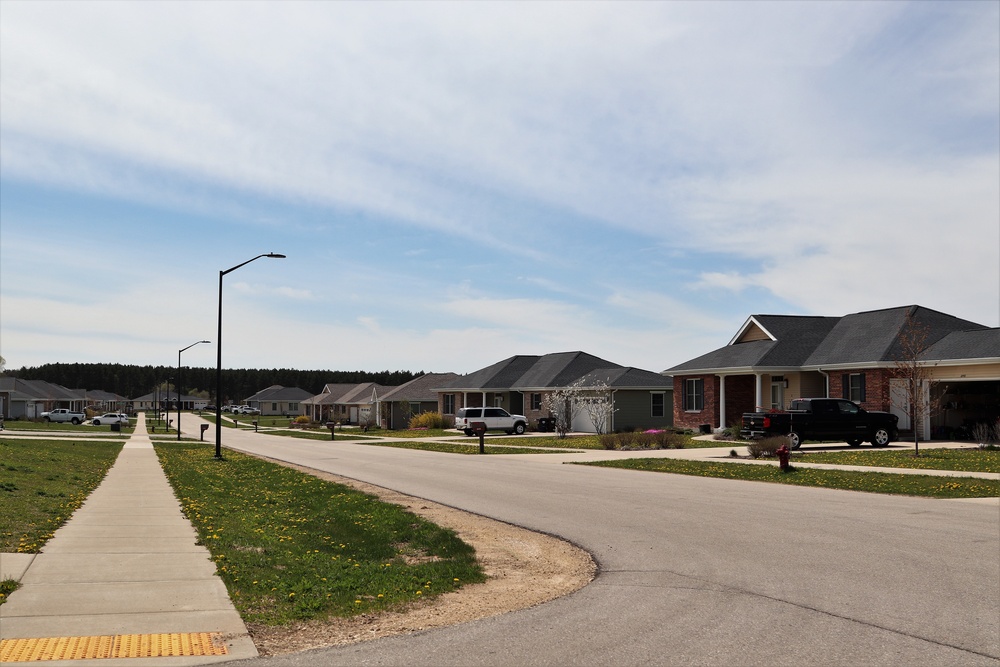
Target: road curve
(696,570)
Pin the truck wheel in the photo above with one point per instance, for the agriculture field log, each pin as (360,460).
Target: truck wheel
(48,420)
(854,442)
(795,440)
(519,428)
(74,421)
(467,431)
(880,437)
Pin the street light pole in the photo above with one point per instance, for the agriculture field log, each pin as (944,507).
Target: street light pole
(179,382)
(218,363)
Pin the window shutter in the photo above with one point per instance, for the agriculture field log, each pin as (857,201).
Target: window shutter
(845,386)
(863,388)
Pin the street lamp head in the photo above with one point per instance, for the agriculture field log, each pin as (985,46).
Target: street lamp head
(275,255)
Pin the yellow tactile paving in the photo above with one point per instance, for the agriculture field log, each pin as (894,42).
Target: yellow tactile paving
(174,645)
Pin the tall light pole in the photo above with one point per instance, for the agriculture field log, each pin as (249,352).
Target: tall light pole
(179,382)
(218,364)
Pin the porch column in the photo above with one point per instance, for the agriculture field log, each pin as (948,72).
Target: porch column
(758,391)
(722,401)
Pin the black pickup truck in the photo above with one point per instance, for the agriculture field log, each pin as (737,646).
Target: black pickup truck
(823,419)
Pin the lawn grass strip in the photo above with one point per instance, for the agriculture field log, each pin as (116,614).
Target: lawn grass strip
(523,569)
(43,482)
(850,480)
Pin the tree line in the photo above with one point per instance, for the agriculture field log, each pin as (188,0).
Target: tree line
(237,384)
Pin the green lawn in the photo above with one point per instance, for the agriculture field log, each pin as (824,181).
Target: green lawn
(873,482)
(968,460)
(290,546)
(42,482)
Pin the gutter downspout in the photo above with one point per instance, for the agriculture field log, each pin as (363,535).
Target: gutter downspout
(826,381)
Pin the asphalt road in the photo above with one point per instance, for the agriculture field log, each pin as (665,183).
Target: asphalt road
(697,571)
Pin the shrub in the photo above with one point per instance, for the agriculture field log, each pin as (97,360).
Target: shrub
(631,440)
(766,446)
(428,420)
(302,419)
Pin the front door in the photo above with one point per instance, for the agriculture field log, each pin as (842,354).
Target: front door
(778,395)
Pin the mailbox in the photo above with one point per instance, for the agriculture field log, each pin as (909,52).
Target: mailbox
(479,428)
(204,427)
(333,427)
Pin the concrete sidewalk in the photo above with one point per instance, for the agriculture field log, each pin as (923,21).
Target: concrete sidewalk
(126,564)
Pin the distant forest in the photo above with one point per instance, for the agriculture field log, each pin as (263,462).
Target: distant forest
(237,384)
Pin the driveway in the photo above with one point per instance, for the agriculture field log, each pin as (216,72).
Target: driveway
(696,570)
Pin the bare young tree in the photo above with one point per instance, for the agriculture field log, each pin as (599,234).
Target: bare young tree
(917,395)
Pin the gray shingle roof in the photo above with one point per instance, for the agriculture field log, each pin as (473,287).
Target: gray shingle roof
(501,375)
(981,344)
(859,338)
(559,369)
(278,393)
(627,378)
(419,388)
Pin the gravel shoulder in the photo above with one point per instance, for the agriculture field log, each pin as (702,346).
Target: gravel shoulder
(525,569)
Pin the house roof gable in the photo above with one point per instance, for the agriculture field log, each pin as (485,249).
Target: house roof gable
(802,341)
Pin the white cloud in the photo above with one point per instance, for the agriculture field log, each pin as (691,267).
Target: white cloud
(455,183)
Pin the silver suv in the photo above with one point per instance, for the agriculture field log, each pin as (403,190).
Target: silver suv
(496,419)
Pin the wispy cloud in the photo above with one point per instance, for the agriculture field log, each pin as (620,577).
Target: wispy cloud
(632,178)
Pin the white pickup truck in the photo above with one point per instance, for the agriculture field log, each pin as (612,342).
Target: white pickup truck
(496,419)
(64,415)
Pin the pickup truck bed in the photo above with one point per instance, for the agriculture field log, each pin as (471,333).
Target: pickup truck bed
(823,419)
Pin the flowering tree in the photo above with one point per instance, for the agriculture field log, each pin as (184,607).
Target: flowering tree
(597,403)
(591,398)
(563,404)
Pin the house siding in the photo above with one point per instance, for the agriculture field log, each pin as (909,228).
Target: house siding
(972,372)
(633,410)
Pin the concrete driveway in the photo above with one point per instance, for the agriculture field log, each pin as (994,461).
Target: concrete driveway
(695,570)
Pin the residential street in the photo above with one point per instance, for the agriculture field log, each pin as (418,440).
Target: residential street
(693,570)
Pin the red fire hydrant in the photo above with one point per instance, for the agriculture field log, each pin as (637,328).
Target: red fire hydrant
(783,455)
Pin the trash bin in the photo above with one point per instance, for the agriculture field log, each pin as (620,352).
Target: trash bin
(117,426)
(705,429)
(546,424)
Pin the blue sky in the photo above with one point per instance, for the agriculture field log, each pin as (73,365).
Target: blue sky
(455,183)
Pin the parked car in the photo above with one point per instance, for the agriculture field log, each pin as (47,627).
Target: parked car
(110,418)
(63,415)
(496,419)
(247,410)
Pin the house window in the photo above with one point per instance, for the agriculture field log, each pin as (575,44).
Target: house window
(658,406)
(854,387)
(414,408)
(274,407)
(293,407)
(536,402)
(694,394)
(449,404)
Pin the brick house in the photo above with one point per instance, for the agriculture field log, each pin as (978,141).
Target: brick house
(519,384)
(774,359)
